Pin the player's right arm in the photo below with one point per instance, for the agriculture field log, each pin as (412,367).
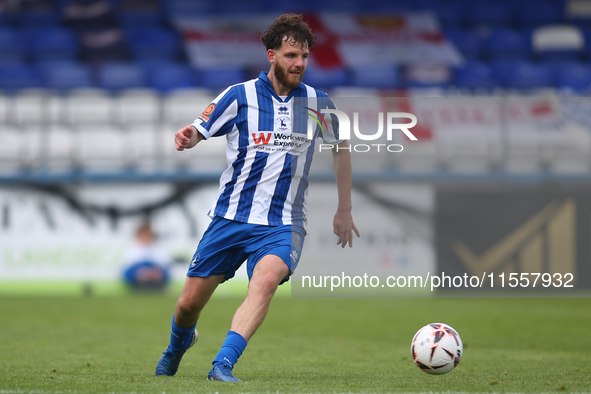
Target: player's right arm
(187,137)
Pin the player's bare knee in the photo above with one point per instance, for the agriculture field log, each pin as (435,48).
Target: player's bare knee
(188,306)
(268,282)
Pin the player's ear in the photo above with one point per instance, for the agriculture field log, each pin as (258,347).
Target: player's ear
(271,56)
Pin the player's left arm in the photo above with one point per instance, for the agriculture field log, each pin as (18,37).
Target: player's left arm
(343,224)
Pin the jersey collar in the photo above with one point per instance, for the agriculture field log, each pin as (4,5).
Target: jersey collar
(267,84)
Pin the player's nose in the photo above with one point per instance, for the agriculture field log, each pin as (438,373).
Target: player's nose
(300,62)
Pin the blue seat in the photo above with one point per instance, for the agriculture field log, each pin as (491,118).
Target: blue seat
(491,13)
(140,19)
(14,76)
(528,75)
(468,41)
(424,5)
(172,76)
(427,76)
(187,8)
(5,19)
(53,44)
(282,7)
(574,76)
(378,6)
(12,46)
(38,19)
(535,13)
(451,14)
(375,76)
(325,78)
(557,55)
(66,75)
(152,65)
(220,77)
(154,43)
(508,44)
(474,75)
(121,75)
(501,69)
(238,6)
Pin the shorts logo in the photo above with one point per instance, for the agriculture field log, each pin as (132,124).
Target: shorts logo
(296,240)
(205,115)
(196,259)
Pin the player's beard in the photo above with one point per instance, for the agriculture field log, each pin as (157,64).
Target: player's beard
(283,77)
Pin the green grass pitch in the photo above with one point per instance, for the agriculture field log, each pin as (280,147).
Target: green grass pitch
(111,343)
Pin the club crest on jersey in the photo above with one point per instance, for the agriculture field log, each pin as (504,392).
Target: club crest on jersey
(282,124)
(205,115)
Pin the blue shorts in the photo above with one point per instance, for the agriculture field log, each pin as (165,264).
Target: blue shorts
(226,244)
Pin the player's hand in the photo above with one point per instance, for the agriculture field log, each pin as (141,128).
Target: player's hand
(182,138)
(344,227)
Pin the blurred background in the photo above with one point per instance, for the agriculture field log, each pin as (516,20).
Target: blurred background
(92,91)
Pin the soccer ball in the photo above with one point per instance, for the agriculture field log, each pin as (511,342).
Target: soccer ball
(436,348)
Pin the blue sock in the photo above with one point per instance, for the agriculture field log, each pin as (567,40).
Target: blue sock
(180,338)
(231,350)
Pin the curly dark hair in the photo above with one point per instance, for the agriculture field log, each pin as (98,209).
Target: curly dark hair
(288,27)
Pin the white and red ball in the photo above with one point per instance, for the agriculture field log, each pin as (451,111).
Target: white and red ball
(436,348)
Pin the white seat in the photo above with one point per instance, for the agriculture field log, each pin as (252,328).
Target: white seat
(103,148)
(208,155)
(450,134)
(144,147)
(558,37)
(137,106)
(37,106)
(86,106)
(182,107)
(528,135)
(12,143)
(5,108)
(417,156)
(61,147)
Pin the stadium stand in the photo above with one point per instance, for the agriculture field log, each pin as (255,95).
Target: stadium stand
(171,76)
(66,75)
(70,68)
(377,76)
(116,76)
(53,43)
(558,43)
(12,48)
(474,75)
(507,44)
(153,43)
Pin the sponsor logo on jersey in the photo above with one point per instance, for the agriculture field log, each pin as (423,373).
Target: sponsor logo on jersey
(262,138)
(205,115)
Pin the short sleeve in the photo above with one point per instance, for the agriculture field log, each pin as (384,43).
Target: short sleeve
(220,116)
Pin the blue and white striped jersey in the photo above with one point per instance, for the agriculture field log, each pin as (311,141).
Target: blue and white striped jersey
(268,152)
